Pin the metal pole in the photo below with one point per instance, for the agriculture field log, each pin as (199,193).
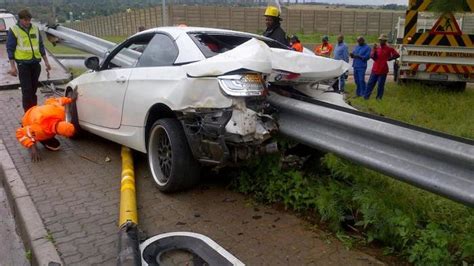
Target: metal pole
(54,11)
(164,17)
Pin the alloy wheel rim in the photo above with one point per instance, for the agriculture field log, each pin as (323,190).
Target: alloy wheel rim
(164,154)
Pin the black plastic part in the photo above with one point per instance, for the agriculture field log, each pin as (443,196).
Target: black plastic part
(204,129)
(208,255)
(129,250)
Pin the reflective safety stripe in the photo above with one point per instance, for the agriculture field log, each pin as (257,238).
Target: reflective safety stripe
(27,47)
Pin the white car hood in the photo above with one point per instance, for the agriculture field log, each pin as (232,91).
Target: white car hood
(256,56)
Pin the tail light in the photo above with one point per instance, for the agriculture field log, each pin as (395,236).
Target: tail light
(250,84)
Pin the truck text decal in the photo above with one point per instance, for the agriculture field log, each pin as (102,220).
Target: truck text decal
(441,54)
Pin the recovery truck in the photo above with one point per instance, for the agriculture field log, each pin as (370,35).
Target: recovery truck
(434,51)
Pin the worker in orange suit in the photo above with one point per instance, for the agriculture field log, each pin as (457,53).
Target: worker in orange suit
(42,123)
(296,44)
(325,49)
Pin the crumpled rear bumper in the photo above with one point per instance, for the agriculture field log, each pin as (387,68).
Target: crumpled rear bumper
(228,135)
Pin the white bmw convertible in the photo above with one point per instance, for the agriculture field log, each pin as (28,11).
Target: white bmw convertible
(192,96)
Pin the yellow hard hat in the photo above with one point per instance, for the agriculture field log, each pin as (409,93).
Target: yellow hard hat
(272,11)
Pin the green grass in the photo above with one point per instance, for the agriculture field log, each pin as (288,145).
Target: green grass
(349,39)
(50,237)
(29,255)
(430,107)
(62,49)
(418,226)
(76,72)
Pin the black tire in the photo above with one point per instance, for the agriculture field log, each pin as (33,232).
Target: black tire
(171,162)
(71,115)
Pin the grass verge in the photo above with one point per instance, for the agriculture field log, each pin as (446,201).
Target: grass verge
(76,72)
(349,39)
(434,108)
(364,207)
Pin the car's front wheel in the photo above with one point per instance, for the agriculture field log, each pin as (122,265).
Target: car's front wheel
(171,161)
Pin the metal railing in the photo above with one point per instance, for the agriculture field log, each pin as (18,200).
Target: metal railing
(429,160)
(90,44)
(79,40)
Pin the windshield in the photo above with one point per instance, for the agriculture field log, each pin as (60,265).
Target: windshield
(213,43)
(2,24)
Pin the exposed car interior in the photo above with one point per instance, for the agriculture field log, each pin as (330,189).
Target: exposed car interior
(211,43)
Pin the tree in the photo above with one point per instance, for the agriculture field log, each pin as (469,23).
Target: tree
(443,6)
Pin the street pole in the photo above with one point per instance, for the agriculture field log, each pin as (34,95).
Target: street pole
(164,17)
(54,12)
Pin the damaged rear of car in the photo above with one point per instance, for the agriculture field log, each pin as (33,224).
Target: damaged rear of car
(229,135)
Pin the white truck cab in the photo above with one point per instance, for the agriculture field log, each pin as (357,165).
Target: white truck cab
(7,20)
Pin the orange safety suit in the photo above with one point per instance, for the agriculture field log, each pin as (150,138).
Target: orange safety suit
(43,122)
(297,46)
(324,50)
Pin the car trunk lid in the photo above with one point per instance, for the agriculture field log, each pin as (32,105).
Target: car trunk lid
(282,66)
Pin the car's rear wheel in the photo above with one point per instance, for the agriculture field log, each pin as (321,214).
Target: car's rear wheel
(71,115)
(171,161)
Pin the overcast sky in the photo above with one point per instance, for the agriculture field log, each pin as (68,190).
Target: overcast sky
(363,2)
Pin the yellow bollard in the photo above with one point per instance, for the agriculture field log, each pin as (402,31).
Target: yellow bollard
(128,200)
(129,250)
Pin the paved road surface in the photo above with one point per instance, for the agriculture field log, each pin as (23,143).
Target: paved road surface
(77,194)
(58,72)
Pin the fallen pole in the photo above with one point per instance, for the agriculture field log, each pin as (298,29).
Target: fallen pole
(129,251)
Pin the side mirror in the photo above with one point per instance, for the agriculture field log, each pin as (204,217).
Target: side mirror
(92,63)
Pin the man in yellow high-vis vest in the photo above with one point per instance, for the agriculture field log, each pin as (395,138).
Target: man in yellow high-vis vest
(25,49)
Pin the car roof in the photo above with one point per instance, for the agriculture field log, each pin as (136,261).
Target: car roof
(176,31)
(6,15)
(196,54)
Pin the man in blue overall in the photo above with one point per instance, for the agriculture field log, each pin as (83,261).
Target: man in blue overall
(360,55)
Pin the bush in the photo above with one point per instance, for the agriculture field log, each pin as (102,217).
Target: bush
(420,226)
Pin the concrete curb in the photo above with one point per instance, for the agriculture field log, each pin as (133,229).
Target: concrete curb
(33,231)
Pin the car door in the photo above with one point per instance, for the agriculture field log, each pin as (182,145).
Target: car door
(153,80)
(102,92)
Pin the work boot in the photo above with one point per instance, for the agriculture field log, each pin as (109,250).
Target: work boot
(51,144)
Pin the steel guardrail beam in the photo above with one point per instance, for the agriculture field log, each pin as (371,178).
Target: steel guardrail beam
(444,166)
(90,44)
(79,40)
